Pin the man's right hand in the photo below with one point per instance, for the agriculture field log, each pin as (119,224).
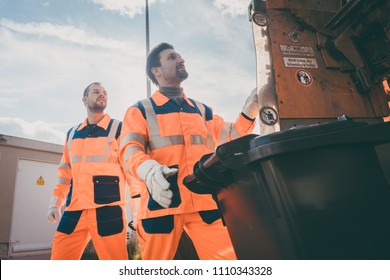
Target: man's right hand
(154,176)
(54,213)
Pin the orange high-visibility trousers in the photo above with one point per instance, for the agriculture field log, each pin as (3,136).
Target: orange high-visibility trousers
(159,237)
(105,226)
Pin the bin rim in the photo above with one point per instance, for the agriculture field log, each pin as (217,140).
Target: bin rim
(289,141)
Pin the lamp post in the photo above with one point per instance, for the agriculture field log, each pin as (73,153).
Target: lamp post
(148,88)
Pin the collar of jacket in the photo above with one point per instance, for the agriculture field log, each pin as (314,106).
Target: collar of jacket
(160,99)
(103,123)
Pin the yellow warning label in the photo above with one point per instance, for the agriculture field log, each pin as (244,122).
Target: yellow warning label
(40,181)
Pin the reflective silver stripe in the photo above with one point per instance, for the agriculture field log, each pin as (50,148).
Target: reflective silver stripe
(96,158)
(132,136)
(210,144)
(157,141)
(102,158)
(114,128)
(107,157)
(166,141)
(71,134)
(62,180)
(202,109)
(233,132)
(151,118)
(110,137)
(75,159)
(225,133)
(71,137)
(229,132)
(129,151)
(197,140)
(64,165)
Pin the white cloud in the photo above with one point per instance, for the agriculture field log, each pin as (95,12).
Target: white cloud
(68,33)
(45,78)
(38,130)
(134,7)
(124,7)
(232,7)
(225,91)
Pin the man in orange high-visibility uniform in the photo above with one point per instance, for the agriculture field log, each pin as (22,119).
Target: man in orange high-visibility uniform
(162,138)
(92,182)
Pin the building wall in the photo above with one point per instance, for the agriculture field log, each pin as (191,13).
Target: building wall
(11,150)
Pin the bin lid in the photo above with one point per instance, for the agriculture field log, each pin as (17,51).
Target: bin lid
(307,137)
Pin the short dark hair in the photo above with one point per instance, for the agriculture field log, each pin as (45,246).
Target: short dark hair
(153,60)
(86,91)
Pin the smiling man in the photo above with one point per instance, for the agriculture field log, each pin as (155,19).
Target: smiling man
(91,181)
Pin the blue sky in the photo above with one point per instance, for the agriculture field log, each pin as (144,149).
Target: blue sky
(50,50)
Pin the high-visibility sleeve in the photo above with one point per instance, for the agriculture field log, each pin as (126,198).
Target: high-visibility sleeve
(64,175)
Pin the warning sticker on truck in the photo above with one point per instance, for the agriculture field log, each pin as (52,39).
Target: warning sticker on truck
(296,50)
(304,77)
(300,62)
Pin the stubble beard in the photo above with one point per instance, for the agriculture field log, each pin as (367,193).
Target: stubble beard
(97,107)
(182,74)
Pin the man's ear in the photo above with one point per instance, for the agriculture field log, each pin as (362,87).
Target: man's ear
(84,100)
(155,71)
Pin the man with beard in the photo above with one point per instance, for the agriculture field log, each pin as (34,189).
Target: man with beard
(92,183)
(162,138)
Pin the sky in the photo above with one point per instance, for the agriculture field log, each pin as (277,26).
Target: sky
(50,50)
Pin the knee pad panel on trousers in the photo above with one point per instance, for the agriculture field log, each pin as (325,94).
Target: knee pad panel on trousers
(158,225)
(69,221)
(109,220)
(210,216)
(106,189)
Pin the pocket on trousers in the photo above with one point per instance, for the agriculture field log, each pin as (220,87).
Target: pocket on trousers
(106,189)
(210,216)
(109,220)
(69,221)
(158,225)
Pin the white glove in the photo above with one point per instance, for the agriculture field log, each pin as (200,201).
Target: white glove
(251,106)
(154,176)
(54,213)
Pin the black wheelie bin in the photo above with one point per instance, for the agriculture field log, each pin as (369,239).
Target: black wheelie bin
(313,192)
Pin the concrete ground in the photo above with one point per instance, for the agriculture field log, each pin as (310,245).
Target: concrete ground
(37,256)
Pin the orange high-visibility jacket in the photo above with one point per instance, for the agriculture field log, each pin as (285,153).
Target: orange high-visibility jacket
(136,186)
(90,174)
(177,136)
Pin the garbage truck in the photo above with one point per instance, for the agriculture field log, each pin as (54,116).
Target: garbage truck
(314,182)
